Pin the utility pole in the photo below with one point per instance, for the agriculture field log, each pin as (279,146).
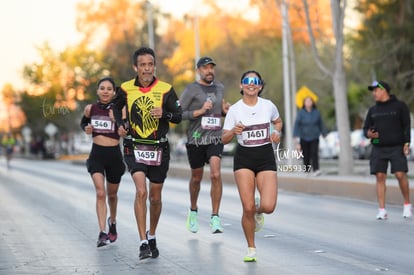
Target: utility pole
(196,39)
(150,25)
(286,83)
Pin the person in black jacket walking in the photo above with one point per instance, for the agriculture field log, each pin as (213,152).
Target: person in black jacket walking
(387,124)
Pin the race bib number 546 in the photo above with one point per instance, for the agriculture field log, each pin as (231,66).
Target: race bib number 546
(102,124)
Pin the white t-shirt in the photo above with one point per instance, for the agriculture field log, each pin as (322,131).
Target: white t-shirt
(257,120)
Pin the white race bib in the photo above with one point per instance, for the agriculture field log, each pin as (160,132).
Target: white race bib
(148,155)
(211,122)
(102,124)
(256,134)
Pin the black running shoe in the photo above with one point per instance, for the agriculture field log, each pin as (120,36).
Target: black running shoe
(112,234)
(144,251)
(153,246)
(102,239)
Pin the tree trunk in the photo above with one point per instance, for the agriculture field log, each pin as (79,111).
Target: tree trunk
(346,161)
(338,76)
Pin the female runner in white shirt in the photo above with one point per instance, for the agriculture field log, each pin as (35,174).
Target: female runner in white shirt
(251,120)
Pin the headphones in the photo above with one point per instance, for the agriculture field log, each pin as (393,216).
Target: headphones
(104,106)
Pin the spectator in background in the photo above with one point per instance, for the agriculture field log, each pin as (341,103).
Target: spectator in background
(8,143)
(388,125)
(308,128)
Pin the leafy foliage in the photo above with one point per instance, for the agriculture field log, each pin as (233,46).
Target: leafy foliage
(383,46)
(114,29)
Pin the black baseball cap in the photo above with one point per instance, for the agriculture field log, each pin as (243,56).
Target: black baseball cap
(205,61)
(379,84)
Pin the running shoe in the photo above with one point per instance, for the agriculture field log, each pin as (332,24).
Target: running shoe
(258,218)
(192,221)
(382,214)
(153,246)
(251,255)
(102,239)
(144,251)
(215,225)
(112,234)
(317,173)
(408,211)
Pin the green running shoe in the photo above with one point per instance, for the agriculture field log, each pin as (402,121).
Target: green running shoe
(192,221)
(215,225)
(251,255)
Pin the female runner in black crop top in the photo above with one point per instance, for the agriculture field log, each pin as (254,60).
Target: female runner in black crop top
(105,159)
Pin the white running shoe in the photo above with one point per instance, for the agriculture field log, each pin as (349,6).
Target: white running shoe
(382,214)
(258,218)
(317,173)
(408,211)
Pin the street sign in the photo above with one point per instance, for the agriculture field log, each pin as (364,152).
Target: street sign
(51,129)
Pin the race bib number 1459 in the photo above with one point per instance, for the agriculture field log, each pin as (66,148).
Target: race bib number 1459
(148,155)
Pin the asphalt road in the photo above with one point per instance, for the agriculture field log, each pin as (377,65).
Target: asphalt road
(48,226)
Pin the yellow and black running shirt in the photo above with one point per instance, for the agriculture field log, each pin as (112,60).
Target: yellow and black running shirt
(141,100)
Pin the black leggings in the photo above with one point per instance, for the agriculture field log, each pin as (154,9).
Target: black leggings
(310,151)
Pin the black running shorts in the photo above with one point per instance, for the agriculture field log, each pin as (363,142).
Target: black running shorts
(257,159)
(155,174)
(380,156)
(198,155)
(108,161)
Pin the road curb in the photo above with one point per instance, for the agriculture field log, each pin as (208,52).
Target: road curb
(354,187)
(362,188)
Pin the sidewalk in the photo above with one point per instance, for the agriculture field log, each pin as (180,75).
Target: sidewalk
(359,186)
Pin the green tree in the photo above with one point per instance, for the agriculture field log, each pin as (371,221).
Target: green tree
(12,117)
(383,46)
(59,83)
(62,83)
(335,70)
(116,28)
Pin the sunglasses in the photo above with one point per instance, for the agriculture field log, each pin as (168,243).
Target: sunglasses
(377,84)
(252,81)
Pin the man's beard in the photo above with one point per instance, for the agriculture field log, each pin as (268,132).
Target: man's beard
(208,80)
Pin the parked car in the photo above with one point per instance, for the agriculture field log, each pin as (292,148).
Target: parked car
(179,149)
(230,148)
(329,146)
(325,151)
(411,153)
(361,146)
(82,143)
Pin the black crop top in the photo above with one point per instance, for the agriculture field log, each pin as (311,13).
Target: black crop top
(101,122)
